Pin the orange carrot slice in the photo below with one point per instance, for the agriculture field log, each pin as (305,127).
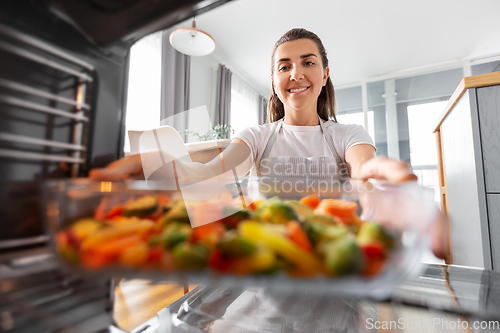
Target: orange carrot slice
(311,200)
(344,210)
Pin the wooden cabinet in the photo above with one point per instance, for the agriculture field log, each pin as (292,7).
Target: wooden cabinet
(468,140)
(493,203)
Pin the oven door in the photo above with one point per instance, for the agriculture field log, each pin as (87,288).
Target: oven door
(63,75)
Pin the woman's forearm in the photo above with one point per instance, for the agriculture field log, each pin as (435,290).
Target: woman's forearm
(160,165)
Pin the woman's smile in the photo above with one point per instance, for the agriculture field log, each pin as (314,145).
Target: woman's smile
(298,90)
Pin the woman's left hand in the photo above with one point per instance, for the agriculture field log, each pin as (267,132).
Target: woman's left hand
(397,172)
(364,165)
(384,168)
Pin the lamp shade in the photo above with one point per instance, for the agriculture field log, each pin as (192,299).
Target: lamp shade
(192,41)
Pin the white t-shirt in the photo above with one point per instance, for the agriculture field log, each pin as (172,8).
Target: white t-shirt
(303,141)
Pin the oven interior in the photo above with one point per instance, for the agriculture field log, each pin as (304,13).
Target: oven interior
(63,77)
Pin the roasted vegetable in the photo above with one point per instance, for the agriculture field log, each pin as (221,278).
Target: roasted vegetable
(334,232)
(190,256)
(275,211)
(234,215)
(141,207)
(300,209)
(209,233)
(373,250)
(260,261)
(67,249)
(370,231)
(281,245)
(136,255)
(86,227)
(344,210)
(233,245)
(314,231)
(297,235)
(311,200)
(104,236)
(343,257)
(176,213)
(287,236)
(321,219)
(320,227)
(164,203)
(173,234)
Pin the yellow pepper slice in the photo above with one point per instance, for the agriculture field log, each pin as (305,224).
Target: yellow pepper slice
(85,228)
(255,263)
(139,228)
(306,262)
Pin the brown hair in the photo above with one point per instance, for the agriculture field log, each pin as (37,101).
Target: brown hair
(326,99)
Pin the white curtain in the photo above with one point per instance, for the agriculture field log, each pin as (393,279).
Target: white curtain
(246,104)
(262,110)
(223,96)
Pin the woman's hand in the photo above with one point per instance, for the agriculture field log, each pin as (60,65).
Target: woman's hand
(364,165)
(397,172)
(130,166)
(384,168)
(236,156)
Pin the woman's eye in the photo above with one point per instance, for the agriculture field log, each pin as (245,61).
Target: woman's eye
(283,68)
(309,63)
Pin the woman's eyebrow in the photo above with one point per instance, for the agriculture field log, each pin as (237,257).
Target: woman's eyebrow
(308,55)
(301,57)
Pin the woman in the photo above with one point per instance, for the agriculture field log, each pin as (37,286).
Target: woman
(300,138)
(302,95)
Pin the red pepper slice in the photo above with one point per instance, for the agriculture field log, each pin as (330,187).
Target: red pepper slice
(295,233)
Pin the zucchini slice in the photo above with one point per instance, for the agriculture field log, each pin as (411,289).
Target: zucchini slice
(141,207)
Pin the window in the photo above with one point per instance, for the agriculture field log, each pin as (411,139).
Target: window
(488,67)
(144,86)
(358,119)
(423,151)
(350,109)
(244,105)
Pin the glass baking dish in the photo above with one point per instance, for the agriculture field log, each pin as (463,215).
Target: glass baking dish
(405,211)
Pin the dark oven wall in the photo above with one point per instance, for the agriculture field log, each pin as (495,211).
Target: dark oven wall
(62,97)
(62,91)
(61,109)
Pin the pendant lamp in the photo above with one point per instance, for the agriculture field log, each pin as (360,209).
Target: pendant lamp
(192,41)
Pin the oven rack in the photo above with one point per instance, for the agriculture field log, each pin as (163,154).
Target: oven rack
(54,63)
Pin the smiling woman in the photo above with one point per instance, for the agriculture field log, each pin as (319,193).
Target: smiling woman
(302,138)
(302,126)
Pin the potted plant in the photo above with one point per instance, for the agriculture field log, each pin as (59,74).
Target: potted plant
(209,144)
(218,132)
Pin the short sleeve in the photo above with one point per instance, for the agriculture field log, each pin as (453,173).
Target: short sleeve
(357,135)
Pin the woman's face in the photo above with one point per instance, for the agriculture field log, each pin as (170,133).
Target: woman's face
(298,74)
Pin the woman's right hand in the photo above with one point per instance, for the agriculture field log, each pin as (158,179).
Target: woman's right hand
(127,167)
